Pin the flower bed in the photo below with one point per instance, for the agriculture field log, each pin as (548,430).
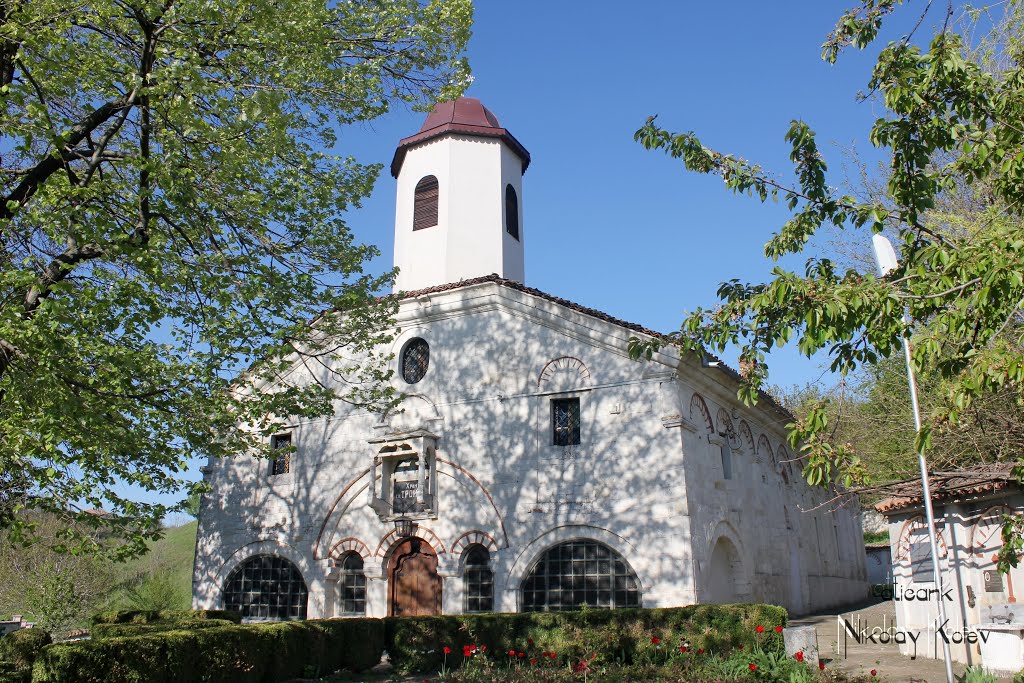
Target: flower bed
(623,636)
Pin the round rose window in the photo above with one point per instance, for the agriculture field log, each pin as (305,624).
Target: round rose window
(415,359)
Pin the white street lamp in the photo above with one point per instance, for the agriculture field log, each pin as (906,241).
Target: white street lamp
(885,257)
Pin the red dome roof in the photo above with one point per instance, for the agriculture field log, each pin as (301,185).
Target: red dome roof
(464,116)
(466,111)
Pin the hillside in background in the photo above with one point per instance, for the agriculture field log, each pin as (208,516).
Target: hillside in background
(61,591)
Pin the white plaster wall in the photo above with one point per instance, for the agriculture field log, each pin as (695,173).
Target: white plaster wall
(470,238)
(964,559)
(644,479)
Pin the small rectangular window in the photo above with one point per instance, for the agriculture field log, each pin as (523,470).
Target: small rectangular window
(565,421)
(921,567)
(281,461)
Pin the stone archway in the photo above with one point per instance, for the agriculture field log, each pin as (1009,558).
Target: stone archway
(414,586)
(725,573)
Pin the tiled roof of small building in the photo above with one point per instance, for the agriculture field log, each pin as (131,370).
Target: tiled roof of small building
(585,310)
(947,486)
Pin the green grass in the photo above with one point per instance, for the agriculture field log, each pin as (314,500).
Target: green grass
(876,536)
(164,574)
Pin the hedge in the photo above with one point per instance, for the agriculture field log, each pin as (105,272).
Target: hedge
(165,616)
(103,631)
(625,636)
(252,653)
(18,651)
(268,653)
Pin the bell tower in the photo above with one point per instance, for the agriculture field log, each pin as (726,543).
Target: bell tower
(459,212)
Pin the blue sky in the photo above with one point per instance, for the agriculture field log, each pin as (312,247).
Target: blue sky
(607,223)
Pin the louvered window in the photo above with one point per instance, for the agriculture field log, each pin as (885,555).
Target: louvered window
(425,207)
(511,211)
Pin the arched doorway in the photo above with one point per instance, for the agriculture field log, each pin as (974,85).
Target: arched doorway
(724,572)
(414,587)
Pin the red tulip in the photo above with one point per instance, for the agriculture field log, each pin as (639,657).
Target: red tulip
(778,629)
(799,656)
(655,640)
(759,629)
(874,672)
(821,665)
(753,667)
(447,650)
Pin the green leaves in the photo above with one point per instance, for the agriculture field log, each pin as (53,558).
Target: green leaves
(170,226)
(954,205)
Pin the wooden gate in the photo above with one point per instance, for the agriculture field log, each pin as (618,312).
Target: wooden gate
(414,586)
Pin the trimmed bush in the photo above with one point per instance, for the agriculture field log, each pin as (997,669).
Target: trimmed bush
(18,650)
(165,616)
(626,636)
(101,631)
(251,653)
(268,653)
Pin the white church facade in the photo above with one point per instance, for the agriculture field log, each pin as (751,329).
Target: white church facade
(532,464)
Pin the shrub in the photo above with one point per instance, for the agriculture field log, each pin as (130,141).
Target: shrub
(625,636)
(101,631)
(166,616)
(18,650)
(250,653)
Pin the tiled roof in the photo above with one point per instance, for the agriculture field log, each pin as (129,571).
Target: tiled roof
(951,485)
(585,310)
(465,116)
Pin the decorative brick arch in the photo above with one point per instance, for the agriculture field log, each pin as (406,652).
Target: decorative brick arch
(747,436)
(763,446)
(726,426)
(785,466)
(473,537)
(567,367)
(697,405)
(350,545)
(392,538)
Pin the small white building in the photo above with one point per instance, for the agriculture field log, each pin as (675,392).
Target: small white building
(985,616)
(532,465)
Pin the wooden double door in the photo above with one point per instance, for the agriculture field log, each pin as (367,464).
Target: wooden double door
(414,587)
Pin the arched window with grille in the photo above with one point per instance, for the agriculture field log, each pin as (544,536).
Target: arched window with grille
(424,213)
(352,585)
(576,573)
(511,211)
(266,588)
(478,580)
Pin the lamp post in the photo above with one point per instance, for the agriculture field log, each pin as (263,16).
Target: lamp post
(885,257)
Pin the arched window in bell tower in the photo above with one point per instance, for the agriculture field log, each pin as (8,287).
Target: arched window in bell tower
(424,213)
(511,211)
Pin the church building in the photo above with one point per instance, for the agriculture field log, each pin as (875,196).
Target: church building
(532,465)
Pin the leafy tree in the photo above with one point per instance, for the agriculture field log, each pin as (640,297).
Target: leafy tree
(953,133)
(58,590)
(169,217)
